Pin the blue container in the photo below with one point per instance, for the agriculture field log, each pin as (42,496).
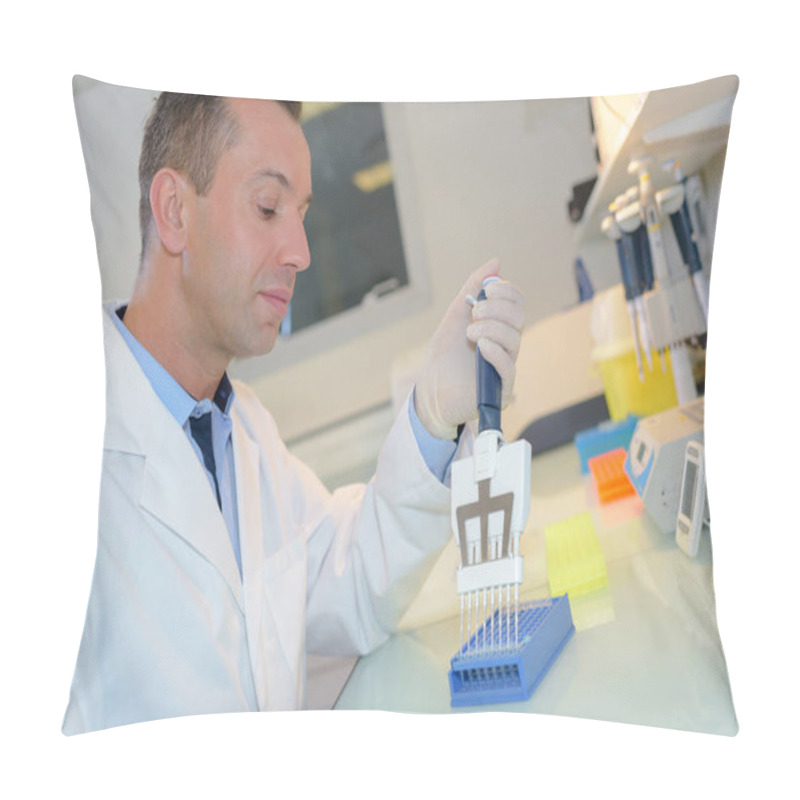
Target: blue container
(484,671)
(604,438)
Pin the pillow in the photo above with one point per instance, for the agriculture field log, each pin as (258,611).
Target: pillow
(404,196)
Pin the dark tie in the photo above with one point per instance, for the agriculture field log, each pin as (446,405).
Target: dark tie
(201,431)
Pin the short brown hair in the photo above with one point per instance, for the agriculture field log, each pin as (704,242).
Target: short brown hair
(188,132)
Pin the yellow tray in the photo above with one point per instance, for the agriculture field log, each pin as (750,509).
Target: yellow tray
(575,563)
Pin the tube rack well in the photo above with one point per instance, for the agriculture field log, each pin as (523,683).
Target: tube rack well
(486,670)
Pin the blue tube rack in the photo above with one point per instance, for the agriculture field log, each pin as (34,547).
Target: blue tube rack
(485,672)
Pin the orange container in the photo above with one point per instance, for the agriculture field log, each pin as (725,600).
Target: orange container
(609,477)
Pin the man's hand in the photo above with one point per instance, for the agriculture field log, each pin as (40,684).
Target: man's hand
(445,393)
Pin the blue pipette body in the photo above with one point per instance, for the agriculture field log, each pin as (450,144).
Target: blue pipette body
(644,263)
(489,385)
(682,225)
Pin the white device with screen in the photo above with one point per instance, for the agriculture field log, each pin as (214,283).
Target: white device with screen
(656,457)
(692,507)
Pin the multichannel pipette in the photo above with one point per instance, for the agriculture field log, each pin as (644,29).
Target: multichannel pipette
(506,647)
(490,504)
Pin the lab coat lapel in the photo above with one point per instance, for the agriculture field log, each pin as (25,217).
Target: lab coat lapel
(177,492)
(174,488)
(247,467)
(273,578)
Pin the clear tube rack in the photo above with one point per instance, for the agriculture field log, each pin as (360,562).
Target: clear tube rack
(488,669)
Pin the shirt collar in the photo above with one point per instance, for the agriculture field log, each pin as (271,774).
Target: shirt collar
(177,400)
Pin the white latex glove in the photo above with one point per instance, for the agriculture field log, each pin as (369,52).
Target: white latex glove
(445,395)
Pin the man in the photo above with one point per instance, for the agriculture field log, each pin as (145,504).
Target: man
(221,559)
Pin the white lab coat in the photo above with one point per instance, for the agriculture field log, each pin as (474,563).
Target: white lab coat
(171,628)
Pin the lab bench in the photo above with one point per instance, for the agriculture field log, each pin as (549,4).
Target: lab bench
(646,649)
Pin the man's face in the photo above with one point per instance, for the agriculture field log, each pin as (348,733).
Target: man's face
(246,240)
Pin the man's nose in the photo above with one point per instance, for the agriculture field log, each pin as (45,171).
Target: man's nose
(295,251)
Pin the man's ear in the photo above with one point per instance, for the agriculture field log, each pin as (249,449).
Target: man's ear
(168,196)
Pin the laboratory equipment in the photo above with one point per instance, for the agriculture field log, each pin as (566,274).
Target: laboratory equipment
(505,648)
(490,501)
(634,260)
(606,436)
(672,203)
(494,673)
(663,271)
(672,309)
(656,457)
(611,229)
(609,478)
(613,357)
(693,504)
(551,404)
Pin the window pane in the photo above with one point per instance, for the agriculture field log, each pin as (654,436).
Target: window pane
(352,225)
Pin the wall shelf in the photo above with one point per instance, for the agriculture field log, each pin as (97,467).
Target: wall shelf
(690,123)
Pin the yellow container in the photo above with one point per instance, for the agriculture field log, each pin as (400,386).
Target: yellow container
(575,562)
(626,393)
(615,358)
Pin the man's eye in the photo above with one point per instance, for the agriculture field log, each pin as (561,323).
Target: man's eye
(266,212)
